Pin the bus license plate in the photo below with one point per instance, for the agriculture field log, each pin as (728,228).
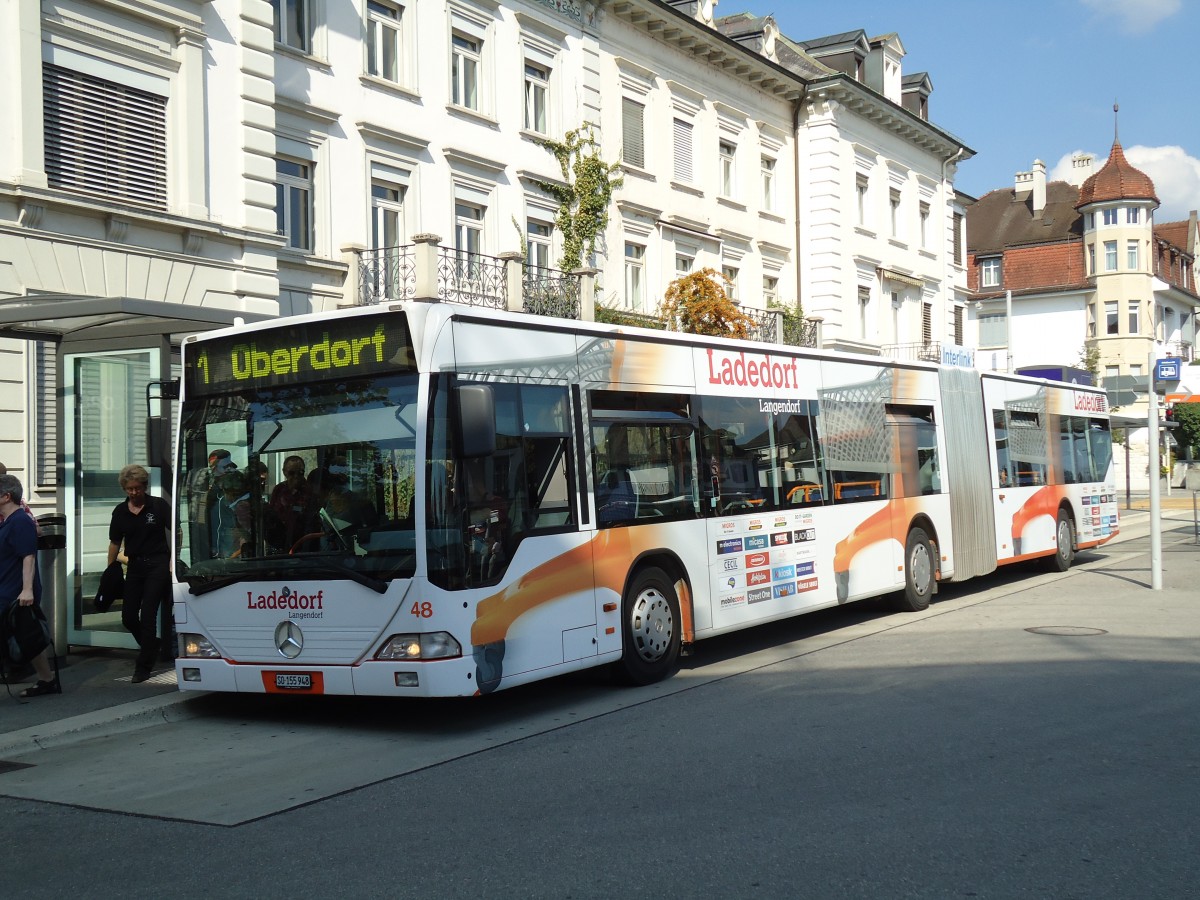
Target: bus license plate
(293,681)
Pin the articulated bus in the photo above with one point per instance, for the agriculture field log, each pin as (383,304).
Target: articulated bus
(428,499)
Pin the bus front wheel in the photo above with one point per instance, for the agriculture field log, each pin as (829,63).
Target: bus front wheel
(920,566)
(1064,543)
(650,629)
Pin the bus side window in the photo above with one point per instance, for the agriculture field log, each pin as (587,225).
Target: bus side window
(1004,475)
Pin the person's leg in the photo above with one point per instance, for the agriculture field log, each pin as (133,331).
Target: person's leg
(131,603)
(148,628)
(41,665)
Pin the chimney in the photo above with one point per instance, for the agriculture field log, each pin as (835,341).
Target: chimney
(1039,187)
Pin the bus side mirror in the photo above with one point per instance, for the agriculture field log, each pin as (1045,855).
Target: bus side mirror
(476,420)
(158,442)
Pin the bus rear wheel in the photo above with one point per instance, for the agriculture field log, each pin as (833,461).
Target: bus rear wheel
(920,566)
(650,629)
(1064,543)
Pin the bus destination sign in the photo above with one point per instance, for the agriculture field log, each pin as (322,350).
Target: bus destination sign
(354,347)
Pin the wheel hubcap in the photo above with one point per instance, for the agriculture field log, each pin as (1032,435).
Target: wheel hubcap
(921,568)
(651,625)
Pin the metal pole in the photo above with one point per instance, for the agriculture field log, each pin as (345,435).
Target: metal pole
(1009,323)
(1155,505)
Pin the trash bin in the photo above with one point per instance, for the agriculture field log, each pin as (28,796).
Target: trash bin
(52,567)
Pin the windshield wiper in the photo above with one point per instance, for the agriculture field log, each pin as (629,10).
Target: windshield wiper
(306,562)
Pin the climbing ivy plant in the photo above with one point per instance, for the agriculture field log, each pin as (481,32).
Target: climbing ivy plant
(585,198)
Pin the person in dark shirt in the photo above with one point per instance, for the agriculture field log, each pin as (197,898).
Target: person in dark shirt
(19,581)
(142,525)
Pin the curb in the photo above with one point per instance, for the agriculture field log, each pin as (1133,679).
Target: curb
(101,723)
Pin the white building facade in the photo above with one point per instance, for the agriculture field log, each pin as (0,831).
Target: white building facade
(180,165)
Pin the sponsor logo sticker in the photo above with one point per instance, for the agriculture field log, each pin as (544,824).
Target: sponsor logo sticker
(805,568)
(757,542)
(762,576)
(782,573)
(780,538)
(729,545)
(758,595)
(801,535)
(787,589)
(732,600)
(757,560)
(806,584)
(731,565)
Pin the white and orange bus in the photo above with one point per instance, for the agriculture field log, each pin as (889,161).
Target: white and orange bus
(427,499)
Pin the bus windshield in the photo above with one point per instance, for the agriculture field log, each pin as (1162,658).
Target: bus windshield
(299,481)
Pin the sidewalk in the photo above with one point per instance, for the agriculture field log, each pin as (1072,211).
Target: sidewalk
(98,695)
(97,692)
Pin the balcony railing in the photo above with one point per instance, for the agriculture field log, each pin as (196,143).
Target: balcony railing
(425,270)
(921,351)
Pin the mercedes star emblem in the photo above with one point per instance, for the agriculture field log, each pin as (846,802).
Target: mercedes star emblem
(289,639)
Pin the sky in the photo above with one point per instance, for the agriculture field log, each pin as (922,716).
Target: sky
(1018,81)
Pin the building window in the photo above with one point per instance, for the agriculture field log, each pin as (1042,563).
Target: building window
(633,148)
(1132,215)
(293,23)
(894,208)
(958,238)
(993,330)
(464,71)
(926,323)
(726,151)
(958,325)
(767,170)
(1091,259)
(770,289)
(1135,370)
(924,222)
(685,261)
(468,240)
(731,282)
(293,202)
(1135,326)
(1089,221)
(537,243)
(635,271)
(1131,255)
(537,88)
(1112,371)
(683,150)
(989,272)
(103,138)
(387,215)
(383,40)
(864,303)
(1110,256)
(1112,323)
(861,183)
(1110,217)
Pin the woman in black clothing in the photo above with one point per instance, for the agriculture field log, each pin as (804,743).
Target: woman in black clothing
(142,524)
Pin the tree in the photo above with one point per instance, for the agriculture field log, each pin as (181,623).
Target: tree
(1089,361)
(1187,415)
(585,198)
(700,303)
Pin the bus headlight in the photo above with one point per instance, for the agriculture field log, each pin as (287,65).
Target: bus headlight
(433,645)
(198,646)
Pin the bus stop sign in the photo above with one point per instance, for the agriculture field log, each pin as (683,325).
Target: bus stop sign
(1166,369)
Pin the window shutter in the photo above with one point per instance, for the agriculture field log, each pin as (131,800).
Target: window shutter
(631,132)
(104,138)
(45,362)
(683,150)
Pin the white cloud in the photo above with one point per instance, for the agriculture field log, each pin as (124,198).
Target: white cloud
(1175,174)
(1135,16)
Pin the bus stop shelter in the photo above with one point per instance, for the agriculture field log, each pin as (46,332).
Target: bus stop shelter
(90,391)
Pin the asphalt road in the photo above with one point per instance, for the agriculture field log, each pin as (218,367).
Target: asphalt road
(850,753)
